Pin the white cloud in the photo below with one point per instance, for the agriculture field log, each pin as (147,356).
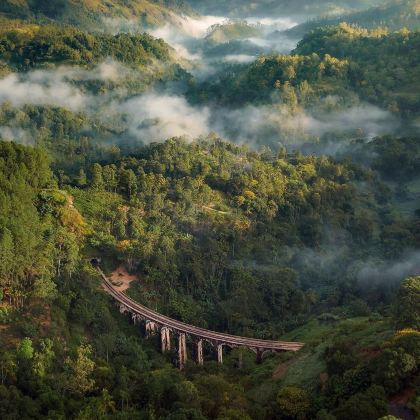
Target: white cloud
(374,272)
(15,134)
(154,117)
(41,87)
(239,58)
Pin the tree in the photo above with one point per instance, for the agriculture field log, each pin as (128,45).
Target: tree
(324,415)
(81,179)
(7,366)
(80,371)
(128,182)
(289,96)
(368,405)
(98,407)
(393,367)
(97,182)
(407,309)
(45,288)
(6,257)
(293,403)
(25,350)
(109,173)
(43,358)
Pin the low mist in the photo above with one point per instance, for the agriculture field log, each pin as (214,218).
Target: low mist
(156,116)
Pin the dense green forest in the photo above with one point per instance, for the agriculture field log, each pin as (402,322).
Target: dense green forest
(26,46)
(302,8)
(277,207)
(392,15)
(91,13)
(194,215)
(380,66)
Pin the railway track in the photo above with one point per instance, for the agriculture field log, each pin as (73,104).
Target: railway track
(179,327)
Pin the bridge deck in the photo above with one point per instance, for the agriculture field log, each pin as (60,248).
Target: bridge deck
(232,340)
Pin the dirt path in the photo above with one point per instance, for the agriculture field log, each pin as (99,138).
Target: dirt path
(212,209)
(121,279)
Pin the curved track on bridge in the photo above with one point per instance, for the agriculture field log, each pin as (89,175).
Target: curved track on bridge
(181,327)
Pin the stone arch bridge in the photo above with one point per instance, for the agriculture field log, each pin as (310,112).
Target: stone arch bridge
(167,327)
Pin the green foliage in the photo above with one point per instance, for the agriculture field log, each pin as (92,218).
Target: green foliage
(80,371)
(369,405)
(278,7)
(70,138)
(34,246)
(6,315)
(232,30)
(26,46)
(396,158)
(44,358)
(395,14)
(221,236)
(90,14)
(151,209)
(174,208)
(304,75)
(379,66)
(408,304)
(366,52)
(25,351)
(293,403)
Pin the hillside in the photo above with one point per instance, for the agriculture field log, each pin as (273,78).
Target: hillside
(85,13)
(222,175)
(63,337)
(25,46)
(330,61)
(232,30)
(393,15)
(299,8)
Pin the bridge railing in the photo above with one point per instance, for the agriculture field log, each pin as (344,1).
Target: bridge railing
(156,322)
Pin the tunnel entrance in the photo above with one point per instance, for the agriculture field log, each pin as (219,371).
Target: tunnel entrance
(95,262)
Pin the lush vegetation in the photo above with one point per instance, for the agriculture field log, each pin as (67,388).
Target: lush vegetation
(393,15)
(229,214)
(385,84)
(379,66)
(232,30)
(282,243)
(26,46)
(194,215)
(299,8)
(91,14)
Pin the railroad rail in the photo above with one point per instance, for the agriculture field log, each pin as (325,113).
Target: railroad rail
(156,322)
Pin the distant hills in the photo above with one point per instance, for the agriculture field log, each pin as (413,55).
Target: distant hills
(86,13)
(232,30)
(393,15)
(301,8)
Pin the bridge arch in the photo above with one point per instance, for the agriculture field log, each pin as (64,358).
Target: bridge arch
(168,328)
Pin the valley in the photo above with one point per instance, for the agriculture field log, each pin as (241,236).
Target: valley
(247,170)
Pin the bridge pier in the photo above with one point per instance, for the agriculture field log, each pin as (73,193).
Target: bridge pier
(123,308)
(136,318)
(182,350)
(165,339)
(200,358)
(150,328)
(155,321)
(259,355)
(220,353)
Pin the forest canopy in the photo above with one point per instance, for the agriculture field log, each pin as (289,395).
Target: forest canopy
(255,172)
